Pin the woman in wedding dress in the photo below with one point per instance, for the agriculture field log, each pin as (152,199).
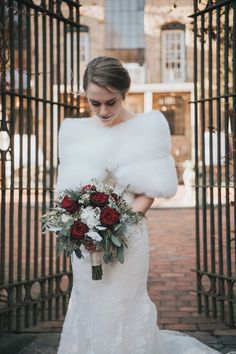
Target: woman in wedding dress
(115,315)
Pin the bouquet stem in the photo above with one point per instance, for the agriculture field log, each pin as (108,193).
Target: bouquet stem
(96,261)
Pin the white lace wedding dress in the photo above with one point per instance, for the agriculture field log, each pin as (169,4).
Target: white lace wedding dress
(115,315)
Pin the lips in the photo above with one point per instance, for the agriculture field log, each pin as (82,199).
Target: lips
(105,117)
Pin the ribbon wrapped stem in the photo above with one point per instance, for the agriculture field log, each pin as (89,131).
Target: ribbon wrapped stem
(96,262)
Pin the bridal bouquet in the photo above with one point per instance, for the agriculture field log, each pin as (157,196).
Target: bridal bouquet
(92,214)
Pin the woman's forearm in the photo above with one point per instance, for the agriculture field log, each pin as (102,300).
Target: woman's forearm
(142,203)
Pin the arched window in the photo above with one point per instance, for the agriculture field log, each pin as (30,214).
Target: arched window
(173,52)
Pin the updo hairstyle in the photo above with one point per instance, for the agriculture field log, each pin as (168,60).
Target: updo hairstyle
(107,72)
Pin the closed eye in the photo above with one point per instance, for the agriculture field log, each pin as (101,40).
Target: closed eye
(108,103)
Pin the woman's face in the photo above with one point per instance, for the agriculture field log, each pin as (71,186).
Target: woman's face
(107,105)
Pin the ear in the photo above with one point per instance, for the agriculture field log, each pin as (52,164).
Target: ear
(123,95)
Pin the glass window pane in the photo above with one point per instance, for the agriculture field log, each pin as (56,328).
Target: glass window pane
(118,15)
(173,55)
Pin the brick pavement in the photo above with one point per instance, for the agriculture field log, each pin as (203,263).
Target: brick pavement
(171,281)
(170,286)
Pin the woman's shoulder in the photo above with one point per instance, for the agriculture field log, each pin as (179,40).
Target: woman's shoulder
(154,118)
(152,123)
(73,122)
(72,126)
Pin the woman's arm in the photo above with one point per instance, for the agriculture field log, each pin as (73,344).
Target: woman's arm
(142,203)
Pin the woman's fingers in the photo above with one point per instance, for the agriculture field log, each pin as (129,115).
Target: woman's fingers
(89,246)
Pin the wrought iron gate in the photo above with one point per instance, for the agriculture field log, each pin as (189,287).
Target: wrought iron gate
(215,156)
(39,72)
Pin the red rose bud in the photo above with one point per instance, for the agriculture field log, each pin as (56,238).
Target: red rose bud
(99,199)
(109,216)
(87,187)
(78,230)
(70,205)
(115,196)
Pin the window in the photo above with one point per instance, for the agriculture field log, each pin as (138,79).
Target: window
(174,109)
(124,24)
(137,72)
(173,52)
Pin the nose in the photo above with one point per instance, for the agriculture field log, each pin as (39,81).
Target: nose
(103,110)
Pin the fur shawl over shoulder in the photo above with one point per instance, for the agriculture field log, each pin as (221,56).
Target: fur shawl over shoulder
(136,152)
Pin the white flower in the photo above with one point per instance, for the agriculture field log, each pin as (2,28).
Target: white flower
(85,197)
(65,218)
(90,216)
(94,236)
(100,228)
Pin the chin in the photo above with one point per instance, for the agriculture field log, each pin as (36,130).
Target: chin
(108,120)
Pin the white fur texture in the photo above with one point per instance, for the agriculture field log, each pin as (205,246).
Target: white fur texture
(136,152)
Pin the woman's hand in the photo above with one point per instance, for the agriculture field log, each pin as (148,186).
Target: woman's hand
(89,246)
(142,203)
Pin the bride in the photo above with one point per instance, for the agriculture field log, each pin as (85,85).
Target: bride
(115,315)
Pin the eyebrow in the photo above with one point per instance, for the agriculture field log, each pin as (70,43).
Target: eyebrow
(111,100)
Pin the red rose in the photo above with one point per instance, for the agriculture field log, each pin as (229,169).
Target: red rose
(109,216)
(78,230)
(99,199)
(69,204)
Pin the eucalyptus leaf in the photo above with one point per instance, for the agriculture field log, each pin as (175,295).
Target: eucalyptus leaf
(116,241)
(120,254)
(65,232)
(78,252)
(69,223)
(106,257)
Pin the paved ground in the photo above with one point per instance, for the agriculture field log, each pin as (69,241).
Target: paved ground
(171,283)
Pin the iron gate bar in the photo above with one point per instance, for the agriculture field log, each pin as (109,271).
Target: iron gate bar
(206,99)
(51,244)
(59,115)
(36,209)
(234,115)
(215,223)
(65,63)
(7,92)
(12,194)
(3,127)
(197,216)
(227,173)
(219,174)
(212,216)
(65,100)
(28,194)
(20,195)
(44,196)
(202,109)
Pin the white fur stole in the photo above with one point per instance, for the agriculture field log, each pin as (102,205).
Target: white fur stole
(136,152)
